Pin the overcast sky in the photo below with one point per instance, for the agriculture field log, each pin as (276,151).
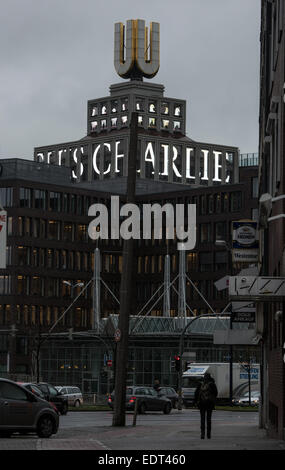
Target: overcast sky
(57,54)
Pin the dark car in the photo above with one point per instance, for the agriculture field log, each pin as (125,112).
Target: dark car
(170,393)
(37,391)
(21,411)
(53,395)
(148,400)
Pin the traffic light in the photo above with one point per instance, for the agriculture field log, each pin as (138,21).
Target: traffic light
(177,362)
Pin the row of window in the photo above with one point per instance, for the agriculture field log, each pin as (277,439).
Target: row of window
(144,121)
(55,201)
(35,315)
(76,204)
(110,263)
(72,232)
(54,258)
(52,229)
(141,105)
(218,203)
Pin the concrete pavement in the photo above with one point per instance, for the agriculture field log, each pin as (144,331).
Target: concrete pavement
(178,431)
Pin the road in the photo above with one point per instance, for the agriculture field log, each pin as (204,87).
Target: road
(154,431)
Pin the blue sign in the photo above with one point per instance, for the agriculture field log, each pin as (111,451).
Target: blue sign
(245,235)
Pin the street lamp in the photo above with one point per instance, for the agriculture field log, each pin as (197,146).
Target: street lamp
(72,286)
(224,244)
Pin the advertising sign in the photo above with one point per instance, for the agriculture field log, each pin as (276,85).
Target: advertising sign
(3,238)
(245,234)
(245,241)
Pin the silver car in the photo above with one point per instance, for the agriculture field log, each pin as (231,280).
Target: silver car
(73,395)
(23,412)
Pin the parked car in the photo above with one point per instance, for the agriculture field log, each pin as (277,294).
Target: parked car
(22,411)
(52,394)
(170,393)
(73,395)
(148,400)
(244,399)
(37,391)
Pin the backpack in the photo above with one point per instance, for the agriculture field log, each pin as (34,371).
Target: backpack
(205,393)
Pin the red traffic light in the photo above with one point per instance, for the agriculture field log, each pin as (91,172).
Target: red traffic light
(177,362)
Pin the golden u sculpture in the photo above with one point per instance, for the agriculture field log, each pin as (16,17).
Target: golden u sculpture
(134,57)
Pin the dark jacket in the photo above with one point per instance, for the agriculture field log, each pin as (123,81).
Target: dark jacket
(210,404)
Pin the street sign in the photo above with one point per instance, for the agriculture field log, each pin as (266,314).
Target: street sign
(109,363)
(243,317)
(257,288)
(243,312)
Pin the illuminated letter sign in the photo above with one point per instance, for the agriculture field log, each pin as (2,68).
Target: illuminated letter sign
(134,58)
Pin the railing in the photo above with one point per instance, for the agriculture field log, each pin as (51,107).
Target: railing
(248,159)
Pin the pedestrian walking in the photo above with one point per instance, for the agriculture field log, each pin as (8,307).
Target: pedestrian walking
(205,398)
(156,385)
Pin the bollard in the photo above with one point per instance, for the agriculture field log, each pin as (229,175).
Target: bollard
(135,412)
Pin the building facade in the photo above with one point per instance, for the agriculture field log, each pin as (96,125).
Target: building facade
(51,258)
(271,180)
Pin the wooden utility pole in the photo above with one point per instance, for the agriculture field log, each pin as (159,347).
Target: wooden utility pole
(126,293)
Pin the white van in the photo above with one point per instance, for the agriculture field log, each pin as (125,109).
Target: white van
(73,395)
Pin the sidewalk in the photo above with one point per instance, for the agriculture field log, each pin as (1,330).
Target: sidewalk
(182,433)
